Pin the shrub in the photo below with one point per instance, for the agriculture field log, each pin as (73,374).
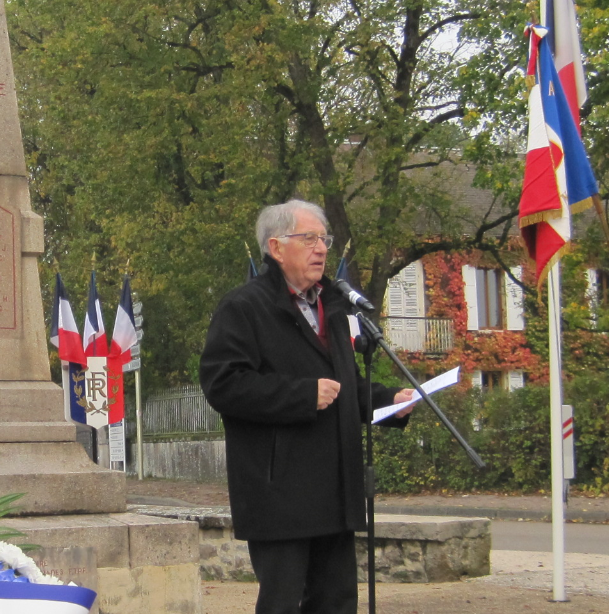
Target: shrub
(510,432)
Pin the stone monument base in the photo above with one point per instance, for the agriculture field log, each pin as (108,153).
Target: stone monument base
(59,478)
(144,564)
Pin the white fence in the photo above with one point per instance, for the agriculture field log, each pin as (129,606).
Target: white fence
(179,410)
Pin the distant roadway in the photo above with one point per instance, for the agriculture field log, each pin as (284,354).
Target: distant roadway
(537,537)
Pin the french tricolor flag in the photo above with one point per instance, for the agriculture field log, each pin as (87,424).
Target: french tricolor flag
(342,272)
(94,334)
(124,336)
(28,598)
(64,332)
(560,17)
(558,179)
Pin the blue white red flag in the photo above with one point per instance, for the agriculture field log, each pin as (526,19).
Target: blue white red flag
(560,17)
(342,272)
(124,336)
(252,271)
(558,179)
(64,332)
(94,334)
(28,598)
(73,379)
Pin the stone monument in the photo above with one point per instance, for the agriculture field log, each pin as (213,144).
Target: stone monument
(39,455)
(143,564)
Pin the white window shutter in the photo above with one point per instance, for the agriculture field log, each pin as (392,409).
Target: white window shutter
(395,302)
(412,280)
(514,299)
(395,308)
(515,380)
(469,278)
(477,379)
(406,299)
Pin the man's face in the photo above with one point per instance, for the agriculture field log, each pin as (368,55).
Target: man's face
(302,266)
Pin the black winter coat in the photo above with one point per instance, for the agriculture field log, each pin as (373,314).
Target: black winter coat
(293,471)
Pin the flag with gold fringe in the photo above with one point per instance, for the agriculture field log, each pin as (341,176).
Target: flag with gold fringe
(558,179)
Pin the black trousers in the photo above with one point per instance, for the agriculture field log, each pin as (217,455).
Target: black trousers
(317,575)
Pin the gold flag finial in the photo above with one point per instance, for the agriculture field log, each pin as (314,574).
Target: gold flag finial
(531,7)
(93,261)
(247,249)
(347,247)
(127,266)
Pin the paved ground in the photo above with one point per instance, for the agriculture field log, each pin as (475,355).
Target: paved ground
(501,507)
(521,582)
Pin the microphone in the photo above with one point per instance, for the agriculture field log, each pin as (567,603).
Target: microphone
(357,300)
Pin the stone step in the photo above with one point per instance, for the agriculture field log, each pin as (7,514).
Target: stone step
(144,564)
(407,548)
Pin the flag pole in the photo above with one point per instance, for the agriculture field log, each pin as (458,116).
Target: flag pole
(601,214)
(558,525)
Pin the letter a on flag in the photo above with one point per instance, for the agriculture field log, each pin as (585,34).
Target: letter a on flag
(559,16)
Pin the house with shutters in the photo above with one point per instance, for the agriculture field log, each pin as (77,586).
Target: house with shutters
(464,309)
(473,315)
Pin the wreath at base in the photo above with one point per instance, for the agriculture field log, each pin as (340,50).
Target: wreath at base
(24,589)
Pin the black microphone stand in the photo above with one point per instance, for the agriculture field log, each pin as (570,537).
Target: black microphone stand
(372,337)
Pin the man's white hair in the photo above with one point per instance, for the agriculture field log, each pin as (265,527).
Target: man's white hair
(277,220)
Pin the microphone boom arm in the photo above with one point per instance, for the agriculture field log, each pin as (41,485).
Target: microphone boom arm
(374,334)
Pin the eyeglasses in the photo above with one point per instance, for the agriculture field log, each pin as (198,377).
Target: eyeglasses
(309,239)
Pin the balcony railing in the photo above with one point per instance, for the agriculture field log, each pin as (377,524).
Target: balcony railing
(427,335)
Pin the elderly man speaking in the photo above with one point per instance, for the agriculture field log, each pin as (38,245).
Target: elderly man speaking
(280,368)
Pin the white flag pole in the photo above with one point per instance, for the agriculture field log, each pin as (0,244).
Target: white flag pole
(558,525)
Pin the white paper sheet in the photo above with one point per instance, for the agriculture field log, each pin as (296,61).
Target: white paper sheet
(437,383)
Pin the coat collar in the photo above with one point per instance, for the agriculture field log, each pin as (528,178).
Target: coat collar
(272,274)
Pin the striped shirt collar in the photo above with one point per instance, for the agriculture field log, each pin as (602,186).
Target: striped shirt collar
(310,295)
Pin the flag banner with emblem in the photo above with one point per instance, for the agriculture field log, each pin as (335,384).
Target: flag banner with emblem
(124,336)
(116,397)
(94,333)
(560,17)
(94,396)
(93,384)
(64,332)
(73,376)
(558,179)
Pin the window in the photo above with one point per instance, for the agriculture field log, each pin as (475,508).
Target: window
(489,299)
(491,380)
(494,300)
(598,288)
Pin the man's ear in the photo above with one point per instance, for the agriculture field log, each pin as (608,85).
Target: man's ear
(276,249)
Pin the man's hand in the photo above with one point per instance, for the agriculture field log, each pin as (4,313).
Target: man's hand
(327,391)
(403,396)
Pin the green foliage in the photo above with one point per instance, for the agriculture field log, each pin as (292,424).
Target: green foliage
(6,508)
(155,131)
(589,395)
(511,433)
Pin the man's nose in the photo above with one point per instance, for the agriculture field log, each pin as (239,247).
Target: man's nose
(320,246)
